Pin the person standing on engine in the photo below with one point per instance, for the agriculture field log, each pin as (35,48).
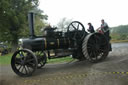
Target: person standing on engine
(105,28)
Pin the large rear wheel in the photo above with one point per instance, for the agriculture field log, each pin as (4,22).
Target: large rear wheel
(95,47)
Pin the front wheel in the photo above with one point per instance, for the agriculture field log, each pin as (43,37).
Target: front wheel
(42,58)
(24,62)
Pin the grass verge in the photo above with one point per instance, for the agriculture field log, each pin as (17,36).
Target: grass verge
(6,59)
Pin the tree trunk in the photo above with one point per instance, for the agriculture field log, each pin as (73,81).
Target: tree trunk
(14,44)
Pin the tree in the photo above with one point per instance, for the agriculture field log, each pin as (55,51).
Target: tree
(63,24)
(14,20)
(39,21)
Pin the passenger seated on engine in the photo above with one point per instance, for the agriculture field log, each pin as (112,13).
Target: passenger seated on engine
(91,28)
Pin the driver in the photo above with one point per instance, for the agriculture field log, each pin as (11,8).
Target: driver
(105,28)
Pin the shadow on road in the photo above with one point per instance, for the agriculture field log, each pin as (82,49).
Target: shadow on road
(63,67)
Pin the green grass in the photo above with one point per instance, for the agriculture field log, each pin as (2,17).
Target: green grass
(5,59)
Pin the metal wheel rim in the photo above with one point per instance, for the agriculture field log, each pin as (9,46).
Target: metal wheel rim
(42,59)
(76,28)
(94,52)
(24,62)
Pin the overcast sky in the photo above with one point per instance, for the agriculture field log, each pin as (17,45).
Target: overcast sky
(114,12)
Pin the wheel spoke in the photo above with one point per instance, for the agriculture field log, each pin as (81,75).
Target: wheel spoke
(73,26)
(98,52)
(26,70)
(30,60)
(95,56)
(91,54)
(102,50)
(31,65)
(20,67)
(18,61)
(78,26)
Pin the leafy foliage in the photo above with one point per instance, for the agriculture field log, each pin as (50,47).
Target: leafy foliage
(14,20)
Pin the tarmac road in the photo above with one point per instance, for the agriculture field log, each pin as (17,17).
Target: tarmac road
(112,71)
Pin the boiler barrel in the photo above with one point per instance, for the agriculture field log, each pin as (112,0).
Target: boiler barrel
(50,43)
(38,44)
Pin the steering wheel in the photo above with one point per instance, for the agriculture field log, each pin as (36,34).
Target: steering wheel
(76,30)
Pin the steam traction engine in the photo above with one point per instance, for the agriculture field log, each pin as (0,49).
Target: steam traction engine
(55,44)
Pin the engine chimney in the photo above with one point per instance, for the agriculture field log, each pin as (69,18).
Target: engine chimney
(31,24)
